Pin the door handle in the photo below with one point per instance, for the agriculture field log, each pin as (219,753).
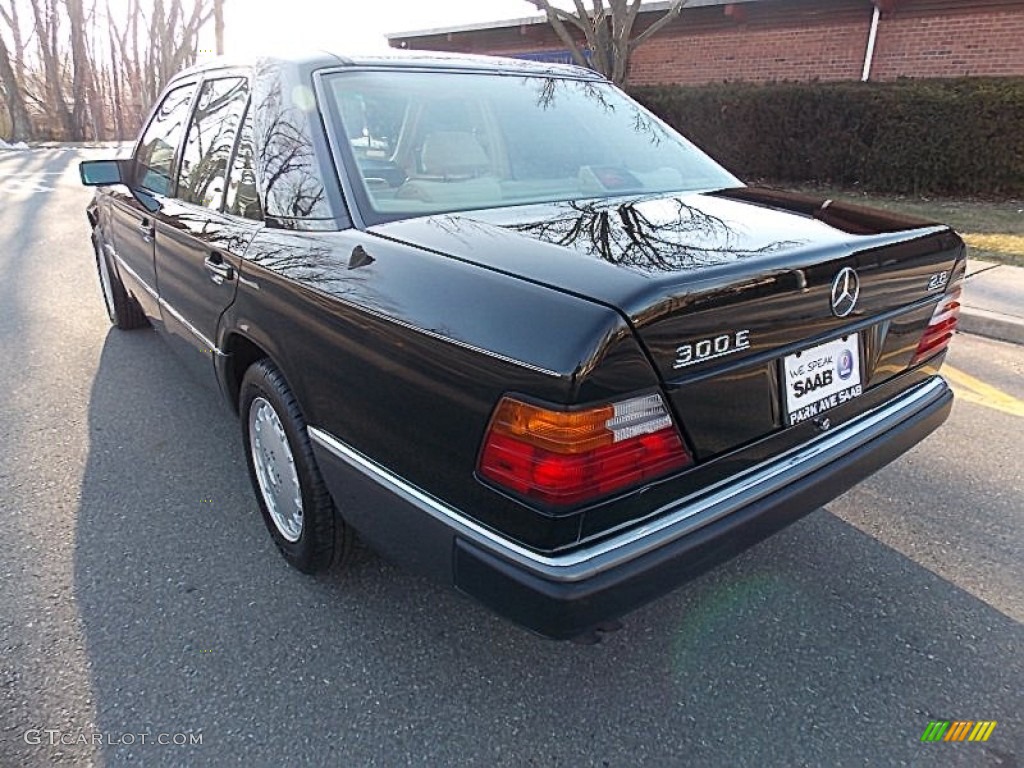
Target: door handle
(147,230)
(219,271)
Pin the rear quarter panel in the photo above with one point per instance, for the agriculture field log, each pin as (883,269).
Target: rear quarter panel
(402,354)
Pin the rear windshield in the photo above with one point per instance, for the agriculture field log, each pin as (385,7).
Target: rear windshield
(437,142)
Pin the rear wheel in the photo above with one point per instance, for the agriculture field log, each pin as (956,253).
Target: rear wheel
(296,506)
(122,309)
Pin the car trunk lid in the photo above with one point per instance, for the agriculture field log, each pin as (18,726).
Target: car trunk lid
(721,288)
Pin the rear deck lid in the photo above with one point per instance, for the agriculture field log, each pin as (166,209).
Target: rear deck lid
(693,267)
(727,289)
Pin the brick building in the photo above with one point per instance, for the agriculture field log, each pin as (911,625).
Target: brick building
(770,40)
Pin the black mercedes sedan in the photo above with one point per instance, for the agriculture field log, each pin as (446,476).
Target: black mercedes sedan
(510,327)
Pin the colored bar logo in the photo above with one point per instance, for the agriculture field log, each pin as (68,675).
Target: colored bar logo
(958,730)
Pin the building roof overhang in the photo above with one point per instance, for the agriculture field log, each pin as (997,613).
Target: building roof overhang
(652,7)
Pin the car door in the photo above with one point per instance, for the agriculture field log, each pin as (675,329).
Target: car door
(132,223)
(199,245)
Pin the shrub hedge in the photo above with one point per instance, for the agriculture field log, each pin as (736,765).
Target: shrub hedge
(942,137)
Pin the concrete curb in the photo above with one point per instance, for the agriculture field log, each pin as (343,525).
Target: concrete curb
(992,325)
(993,302)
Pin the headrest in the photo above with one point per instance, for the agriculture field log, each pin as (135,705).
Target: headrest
(453,153)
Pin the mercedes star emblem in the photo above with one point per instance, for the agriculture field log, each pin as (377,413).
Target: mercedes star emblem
(845,292)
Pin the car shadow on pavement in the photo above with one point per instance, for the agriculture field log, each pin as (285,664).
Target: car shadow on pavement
(820,647)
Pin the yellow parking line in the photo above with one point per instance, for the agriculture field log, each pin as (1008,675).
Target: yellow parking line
(974,390)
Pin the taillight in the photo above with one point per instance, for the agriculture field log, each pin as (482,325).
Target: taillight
(941,327)
(563,457)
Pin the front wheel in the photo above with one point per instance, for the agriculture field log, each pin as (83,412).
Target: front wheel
(296,506)
(122,309)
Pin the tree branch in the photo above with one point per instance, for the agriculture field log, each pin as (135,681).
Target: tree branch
(563,16)
(669,15)
(555,19)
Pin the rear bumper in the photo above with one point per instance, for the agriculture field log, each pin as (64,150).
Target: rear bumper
(564,595)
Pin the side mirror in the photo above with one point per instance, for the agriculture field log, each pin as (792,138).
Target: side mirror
(103,173)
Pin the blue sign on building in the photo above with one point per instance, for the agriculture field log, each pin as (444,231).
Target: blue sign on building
(552,57)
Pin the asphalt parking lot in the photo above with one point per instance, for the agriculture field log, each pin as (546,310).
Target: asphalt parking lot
(141,597)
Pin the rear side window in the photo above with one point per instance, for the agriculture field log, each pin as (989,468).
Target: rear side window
(211,137)
(287,163)
(242,198)
(154,159)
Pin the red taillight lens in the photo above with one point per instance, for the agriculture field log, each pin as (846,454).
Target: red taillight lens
(941,327)
(566,457)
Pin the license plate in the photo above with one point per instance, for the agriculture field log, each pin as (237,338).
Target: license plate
(821,378)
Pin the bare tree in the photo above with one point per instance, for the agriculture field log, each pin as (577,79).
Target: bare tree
(141,67)
(75,69)
(10,16)
(10,89)
(118,76)
(607,29)
(87,110)
(47,31)
(173,35)
(218,25)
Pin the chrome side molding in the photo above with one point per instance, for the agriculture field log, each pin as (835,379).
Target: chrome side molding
(207,343)
(666,524)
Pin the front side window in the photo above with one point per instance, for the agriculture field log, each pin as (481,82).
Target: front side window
(436,142)
(154,159)
(211,137)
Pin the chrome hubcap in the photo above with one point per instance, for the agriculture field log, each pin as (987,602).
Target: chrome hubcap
(275,469)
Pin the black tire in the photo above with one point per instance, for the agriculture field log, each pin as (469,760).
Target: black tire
(324,539)
(124,312)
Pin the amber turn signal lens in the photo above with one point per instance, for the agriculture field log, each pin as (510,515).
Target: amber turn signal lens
(557,431)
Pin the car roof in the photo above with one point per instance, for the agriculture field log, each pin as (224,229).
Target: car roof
(397,59)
